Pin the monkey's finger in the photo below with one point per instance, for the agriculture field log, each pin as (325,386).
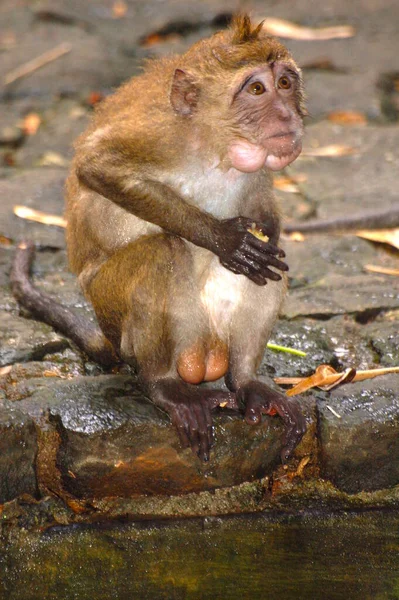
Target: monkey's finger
(256,269)
(203,421)
(264,258)
(253,414)
(267,259)
(240,269)
(294,421)
(272,275)
(182,433)
(264,246)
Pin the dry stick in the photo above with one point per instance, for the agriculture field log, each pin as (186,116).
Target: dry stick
(37,63)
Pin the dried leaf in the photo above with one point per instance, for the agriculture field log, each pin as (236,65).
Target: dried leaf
(326,377)
(289,184)
(152,39)
(31,124)
(30,214)
(119,9)
(320,377)
(94,98)
(5,241)
(304,461)
(371,373)
(347,117)
(287,29)
(330,151)
(323,64)
(346,377)
(52,158)
(384,236)
(77,506)
(382,270)
(49,373)
(295,236)
(5,370)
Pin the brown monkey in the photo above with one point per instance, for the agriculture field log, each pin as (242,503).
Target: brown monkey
(165,184)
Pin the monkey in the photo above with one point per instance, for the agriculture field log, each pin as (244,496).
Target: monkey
(368,220)
(165,189)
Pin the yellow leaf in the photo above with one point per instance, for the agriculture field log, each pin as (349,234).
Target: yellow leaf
(119,9)
(31,123)
(384,236)
(330,151)
(295,236)
(289,184)
(382,270)
(287,29)
(30,214)
(347,117)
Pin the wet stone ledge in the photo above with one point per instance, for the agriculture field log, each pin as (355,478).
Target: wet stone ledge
(104,451)
(111,441)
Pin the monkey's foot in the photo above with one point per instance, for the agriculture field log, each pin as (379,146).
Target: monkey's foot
(259,399)
(189,408)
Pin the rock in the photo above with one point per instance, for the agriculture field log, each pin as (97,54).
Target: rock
(18,450)
(329,277)
(360,451)
(22,340)
(350,184)
(41,189)
(114,442)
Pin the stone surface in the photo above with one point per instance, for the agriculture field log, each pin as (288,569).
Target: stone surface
(17,454)
(40,189)
(114,442)
(101,446)
(23,340)
(329,277)
(360,450)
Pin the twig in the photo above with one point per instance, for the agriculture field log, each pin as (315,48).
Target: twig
(334,412)
(37,63)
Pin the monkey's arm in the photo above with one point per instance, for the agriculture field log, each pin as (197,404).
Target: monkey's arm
(153,201)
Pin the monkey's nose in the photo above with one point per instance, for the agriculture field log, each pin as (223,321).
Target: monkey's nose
(282,112)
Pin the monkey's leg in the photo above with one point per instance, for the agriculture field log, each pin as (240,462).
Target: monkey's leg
(146,301)
(85,334)
(249,336)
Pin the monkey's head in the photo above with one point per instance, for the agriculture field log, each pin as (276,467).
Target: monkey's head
(244,88)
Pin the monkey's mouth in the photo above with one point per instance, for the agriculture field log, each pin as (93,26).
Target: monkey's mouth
(282,149)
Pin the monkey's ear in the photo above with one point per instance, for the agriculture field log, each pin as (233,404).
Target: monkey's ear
(184,93)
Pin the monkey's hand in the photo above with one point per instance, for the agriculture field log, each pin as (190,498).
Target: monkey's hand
(243,253)
(259,399)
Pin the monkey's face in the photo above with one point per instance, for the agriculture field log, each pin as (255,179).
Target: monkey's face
(266,112)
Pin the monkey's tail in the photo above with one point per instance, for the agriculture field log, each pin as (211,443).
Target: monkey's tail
(85,334)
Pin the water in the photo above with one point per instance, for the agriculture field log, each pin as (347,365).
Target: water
(340,556)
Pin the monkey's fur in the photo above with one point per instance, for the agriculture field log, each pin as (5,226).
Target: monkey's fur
(166,182)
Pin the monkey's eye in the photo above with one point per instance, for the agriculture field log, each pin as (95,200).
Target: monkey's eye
(256,88)
(284,83)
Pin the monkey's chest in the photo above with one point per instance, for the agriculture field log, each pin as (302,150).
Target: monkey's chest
(212,190)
